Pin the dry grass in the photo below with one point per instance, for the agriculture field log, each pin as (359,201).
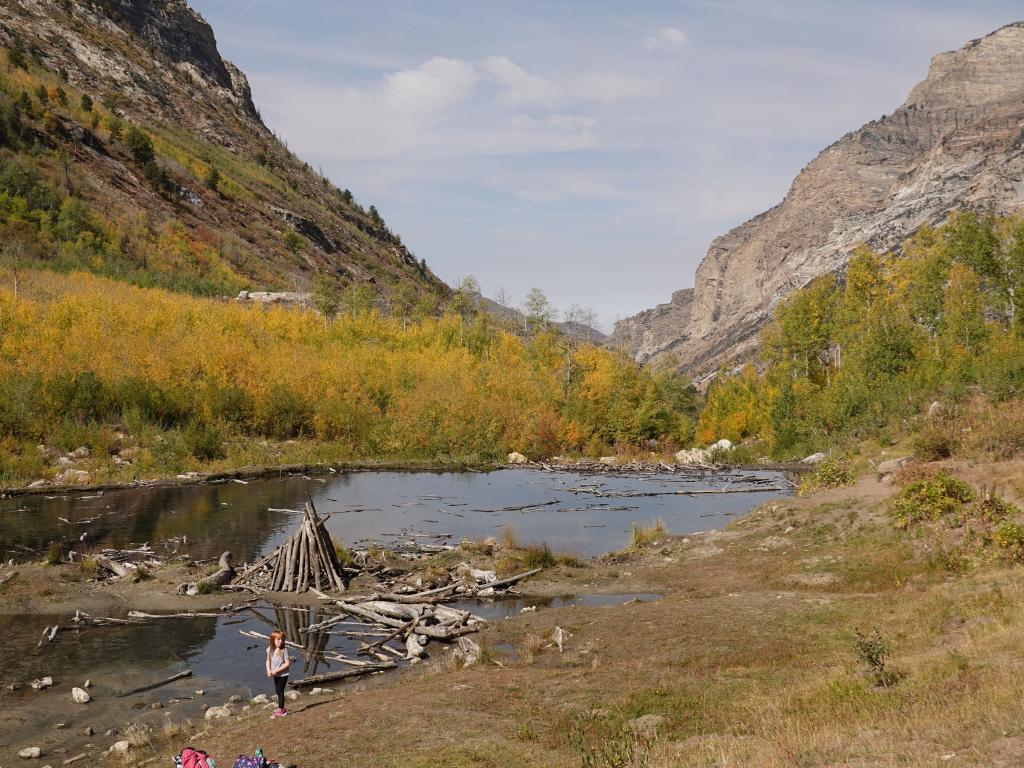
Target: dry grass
(641,536)
(507,538)
(737,669)
(529,646)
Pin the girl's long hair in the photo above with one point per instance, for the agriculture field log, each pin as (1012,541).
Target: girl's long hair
(273,639)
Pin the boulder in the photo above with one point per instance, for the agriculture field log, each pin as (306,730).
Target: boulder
(236,699)
(30,753)
(886,468)
(935,409)
(260,699)
(814,458)
(691,456)
(80,696)
(215,713)
(517,458)
(292,695)
(468,651)
(722,445)
(80,453)
(65,462)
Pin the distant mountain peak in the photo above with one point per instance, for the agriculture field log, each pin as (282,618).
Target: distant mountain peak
(955,143)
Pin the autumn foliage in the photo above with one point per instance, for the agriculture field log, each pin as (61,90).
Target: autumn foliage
(198,376)
(855,353)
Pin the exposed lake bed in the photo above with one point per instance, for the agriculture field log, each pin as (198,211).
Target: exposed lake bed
(581,514)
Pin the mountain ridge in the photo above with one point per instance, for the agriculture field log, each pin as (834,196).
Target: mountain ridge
(272,223)
(954,143)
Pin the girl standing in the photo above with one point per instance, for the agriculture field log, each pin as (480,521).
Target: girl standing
(277,668)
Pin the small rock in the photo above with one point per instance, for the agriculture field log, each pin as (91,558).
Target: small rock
(65,462)
(30,753)
(87,684)
(120,747)
(611,461)
(316,691)
(517,458)
(110,732)
(43,682)
(260,699)
(58,726)
(292,695)
(200,692)
(814,458)
(38,484)
(156,705)
(646,725)
(80,696)
(935,409)
(214,713)
(772,543)
(889,466)
(89,731)
(80,452)
(234,699)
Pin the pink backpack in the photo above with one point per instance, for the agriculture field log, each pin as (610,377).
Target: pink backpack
(195,758)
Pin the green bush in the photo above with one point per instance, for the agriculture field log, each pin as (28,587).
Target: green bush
(204,441)
(929,500)
(936,440)
(1009,537)
(828,473)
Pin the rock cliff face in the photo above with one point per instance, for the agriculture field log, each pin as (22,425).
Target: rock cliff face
(955,143)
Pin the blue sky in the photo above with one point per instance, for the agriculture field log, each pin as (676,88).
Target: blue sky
(589,148)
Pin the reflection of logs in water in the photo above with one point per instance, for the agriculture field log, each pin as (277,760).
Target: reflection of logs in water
(295,622)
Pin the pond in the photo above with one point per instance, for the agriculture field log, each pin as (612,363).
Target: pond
(582,514)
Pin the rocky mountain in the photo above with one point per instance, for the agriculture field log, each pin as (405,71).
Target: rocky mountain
(957,142)
(224,204)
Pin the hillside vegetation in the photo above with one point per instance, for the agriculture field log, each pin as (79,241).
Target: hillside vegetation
(865,356)
(172,180)
(151,382)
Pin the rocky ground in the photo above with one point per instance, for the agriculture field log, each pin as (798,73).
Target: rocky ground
(749,659)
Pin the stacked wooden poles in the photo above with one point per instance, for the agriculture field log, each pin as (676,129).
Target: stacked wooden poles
(305,561)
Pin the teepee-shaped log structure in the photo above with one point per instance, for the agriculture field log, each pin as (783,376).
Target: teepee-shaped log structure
(305,561)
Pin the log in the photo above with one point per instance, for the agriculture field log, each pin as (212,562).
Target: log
(160,683)
(341,674)
(111,565)
(8,577)
(511,579)
(187,615)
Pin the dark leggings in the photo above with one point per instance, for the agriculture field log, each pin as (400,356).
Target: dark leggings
(280,681)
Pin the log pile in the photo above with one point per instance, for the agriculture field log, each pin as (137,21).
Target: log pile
(305,561)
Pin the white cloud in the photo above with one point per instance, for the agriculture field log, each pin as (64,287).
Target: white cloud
(549,186)
(665,39)
(519,86)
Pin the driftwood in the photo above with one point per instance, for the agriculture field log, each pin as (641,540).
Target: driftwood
(341,674)
(187,615)
(113,566)
(8,577)
(224,575)
(158,684)
(306,561)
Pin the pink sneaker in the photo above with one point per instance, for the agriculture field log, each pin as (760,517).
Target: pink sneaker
(278,712)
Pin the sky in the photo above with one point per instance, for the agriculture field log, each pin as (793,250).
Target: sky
(590,148)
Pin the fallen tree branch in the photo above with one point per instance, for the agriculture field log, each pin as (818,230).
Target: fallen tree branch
(151,686)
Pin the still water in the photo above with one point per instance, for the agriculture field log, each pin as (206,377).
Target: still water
(582,514)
